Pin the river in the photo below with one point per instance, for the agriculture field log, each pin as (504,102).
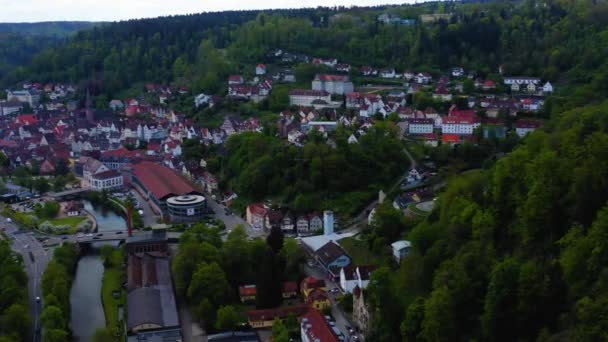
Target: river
(107,220)
(85,298)
(85,295)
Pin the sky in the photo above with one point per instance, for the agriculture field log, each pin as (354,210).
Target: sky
(112,10)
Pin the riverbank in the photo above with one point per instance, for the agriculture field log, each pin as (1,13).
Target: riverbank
(113,295)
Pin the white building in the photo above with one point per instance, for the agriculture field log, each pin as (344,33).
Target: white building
(517,83)
(547,88)
(31,97)
(328,222)
(260,69)
(106,180)
(523,127)
(458,125)
(353,276)
(333,84)
(401,249)
(306,97)
(420,126)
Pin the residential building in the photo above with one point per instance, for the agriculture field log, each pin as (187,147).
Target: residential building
(547,88)
(420,126)
(361,311)
(518,83)
(318,299)
(333,84)
(262,319)
(106,180)
(247,293)
(260,69)
(10,107)
(401,249)
(314,328)
(290,289)
(332,258)
(352,276)
(256,215)
(387,73)
(523,127)
(29,96)
(235,79)
(310,283)
(306,97)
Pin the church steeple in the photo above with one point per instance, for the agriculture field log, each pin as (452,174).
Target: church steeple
(89,108)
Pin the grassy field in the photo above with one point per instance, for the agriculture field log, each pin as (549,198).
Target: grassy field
(68,221)
(359,251)
(112,280)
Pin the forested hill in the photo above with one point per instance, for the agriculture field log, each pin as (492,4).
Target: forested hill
(552,39)
(56,29)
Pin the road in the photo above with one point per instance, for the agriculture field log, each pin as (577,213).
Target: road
(232,220)
(23,243)
(341,319)
(149,218)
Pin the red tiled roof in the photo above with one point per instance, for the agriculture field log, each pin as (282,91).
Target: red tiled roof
(161,180)
(247,290)
(282,312)
(316,327)
(316,295)
(257,209)
(290,286)
(27,119)
(308,92)
(453,138)
(333,78)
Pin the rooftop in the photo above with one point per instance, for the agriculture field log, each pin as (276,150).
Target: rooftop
(161,180)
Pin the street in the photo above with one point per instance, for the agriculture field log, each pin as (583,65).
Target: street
(232,220)
(341,319)
(24,242)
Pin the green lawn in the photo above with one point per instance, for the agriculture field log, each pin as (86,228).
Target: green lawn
(359,251)
(112,280)
(73,221)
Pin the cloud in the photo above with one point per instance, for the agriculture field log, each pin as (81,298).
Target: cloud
(111,10)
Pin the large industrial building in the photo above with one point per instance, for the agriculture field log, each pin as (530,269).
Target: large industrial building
(169,194)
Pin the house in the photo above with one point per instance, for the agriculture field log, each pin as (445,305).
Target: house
(516,83)
(361,311)
(235,79)
(260,69)
(423,78)
(333,84)
(332,258)
(288,223)
(488,85)
(290,289)
(460,122)
(73,208)
(315,328)
(355,276)
(318,299)
(420,126)
(47,167)
(387,73)
(306,97)
(523,127)
(369,71)
(10,107)
(401,249)
(247,293)
(330,62)
(343,67)
(457,72)
(256,215)
(441,93)
(547,88)
(261,319)
(306,224)
(310,283)
(531,87)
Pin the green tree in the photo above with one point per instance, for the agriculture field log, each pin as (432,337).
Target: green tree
(56,335)
(52,318)
(227,318)
(103,335)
